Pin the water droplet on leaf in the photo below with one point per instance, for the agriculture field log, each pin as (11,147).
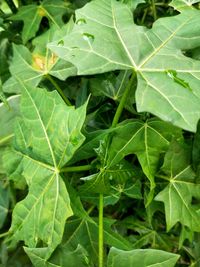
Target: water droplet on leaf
(81,21)
(88,37)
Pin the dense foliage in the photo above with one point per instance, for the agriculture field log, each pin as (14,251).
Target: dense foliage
(99,135)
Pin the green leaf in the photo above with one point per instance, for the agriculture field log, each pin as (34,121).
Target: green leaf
(145,139)
(2,96)
(79,233)
(37,64)
(149,235)
(4,203)
(85,232)
(133,3)
(32,15)
(46,137)
(182,4)
(113,87)
(61,258)
(8,113)
(105,38)
(12,168)
(181,189)
(93,139)
(142,258)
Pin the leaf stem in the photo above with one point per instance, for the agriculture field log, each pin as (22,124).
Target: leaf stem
(100,230)
(76,168)
(11,5)
(154,10)
(122,101)
(4,234)
(58,89)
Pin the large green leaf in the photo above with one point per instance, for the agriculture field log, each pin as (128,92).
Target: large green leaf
(46,137)
(105,38)
(145,139)
(32,15)
(181,189)
(142,258)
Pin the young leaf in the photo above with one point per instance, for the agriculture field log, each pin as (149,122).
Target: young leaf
(142,258)
(109,40)
(177,195)
(32,15)
(46,137)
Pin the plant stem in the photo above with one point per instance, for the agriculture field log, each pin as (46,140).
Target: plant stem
(76,168)
(11,5)
(100,230)
(4,234)
(58,89)
(154,10)
(123,101)
(144,16)
(114,123)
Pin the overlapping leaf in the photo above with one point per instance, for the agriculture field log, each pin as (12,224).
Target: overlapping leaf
(61,258)
(32,15)
(84,233)
(46,137)
(147,140)
(179,193)
(113,87)
(105,38)
(32,67)
(141,257)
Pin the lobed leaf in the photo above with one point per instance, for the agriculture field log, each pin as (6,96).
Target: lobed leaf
(181,189)
(44,146)
(145,139)
(105,38)
(32,67)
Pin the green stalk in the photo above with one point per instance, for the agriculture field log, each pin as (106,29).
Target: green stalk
(114,123)
(101,230)
(154,10)
(4,234)
(122,101)
(11,5)
(144,16)
(58,89)
(76,168)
